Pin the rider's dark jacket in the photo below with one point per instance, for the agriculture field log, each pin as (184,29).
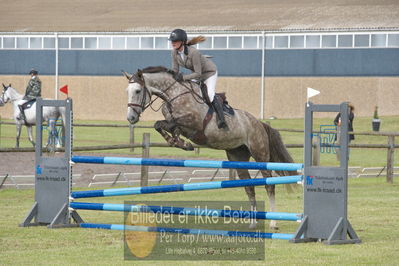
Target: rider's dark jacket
(34,89)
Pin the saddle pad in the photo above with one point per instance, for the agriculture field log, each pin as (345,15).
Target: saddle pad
(28,104)
(228,109)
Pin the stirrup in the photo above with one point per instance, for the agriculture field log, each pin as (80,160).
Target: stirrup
(222,124)
(21,117)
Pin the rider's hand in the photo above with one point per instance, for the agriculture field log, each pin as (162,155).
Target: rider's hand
(178,76)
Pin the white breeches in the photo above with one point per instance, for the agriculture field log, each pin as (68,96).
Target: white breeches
(211,85)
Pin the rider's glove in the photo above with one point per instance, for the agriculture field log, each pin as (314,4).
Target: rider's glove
(178,76)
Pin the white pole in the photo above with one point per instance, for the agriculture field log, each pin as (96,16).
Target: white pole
(56,66)
(262,86)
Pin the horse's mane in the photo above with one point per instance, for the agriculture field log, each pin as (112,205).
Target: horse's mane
(156,69)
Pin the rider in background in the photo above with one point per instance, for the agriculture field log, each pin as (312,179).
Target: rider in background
(337,122)
(351,117)
(33,91)
(203,69)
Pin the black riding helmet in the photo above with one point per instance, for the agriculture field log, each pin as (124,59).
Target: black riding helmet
(178,35)
(34,72)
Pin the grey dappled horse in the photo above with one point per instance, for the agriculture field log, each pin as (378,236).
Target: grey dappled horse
(184,111)
(10,94)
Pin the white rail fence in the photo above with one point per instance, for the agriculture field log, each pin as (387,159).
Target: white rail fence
(167,176)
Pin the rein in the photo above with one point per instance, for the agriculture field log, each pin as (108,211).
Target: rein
(139,79)
(190,89)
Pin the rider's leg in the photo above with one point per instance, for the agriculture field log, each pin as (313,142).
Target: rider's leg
(211,86)
(217,106)
(21,115)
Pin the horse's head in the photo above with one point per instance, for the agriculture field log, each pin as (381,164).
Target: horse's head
(5,95)
(138,96)
(143,84)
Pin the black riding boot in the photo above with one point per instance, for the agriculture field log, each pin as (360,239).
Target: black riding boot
(21,115)
(217,106)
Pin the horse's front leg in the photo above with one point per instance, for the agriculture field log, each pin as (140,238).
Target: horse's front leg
(18,135)
(165,128)
(181,143)
(30,136)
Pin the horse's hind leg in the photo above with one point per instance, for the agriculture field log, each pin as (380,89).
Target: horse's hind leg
(242,154)
(259,148)
(63,117)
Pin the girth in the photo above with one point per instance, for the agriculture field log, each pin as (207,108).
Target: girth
(199,136)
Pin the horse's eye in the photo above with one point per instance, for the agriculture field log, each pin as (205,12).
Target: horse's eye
(138,91)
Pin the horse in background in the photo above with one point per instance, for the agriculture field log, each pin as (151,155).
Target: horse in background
(185,113)
(50,113)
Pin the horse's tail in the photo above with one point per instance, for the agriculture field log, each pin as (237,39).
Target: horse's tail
(278,151)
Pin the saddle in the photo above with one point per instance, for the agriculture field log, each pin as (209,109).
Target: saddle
(28,104)
(221,97)
(199,136)
(22,109)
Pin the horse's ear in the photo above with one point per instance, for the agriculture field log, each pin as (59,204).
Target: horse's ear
(9,85)
(4,86)
(139,73)
(127,75)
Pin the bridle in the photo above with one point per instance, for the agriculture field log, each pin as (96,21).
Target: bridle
(3,101)
(138,78)
(135,78)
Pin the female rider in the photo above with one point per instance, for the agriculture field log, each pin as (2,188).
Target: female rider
(203,69)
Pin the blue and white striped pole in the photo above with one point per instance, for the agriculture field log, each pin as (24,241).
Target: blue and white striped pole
(188,231)
(187,187)
(188,211)
(188,163)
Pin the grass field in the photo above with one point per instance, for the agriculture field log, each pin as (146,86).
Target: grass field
(373,212)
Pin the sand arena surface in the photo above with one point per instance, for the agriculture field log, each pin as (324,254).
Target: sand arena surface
(161,15)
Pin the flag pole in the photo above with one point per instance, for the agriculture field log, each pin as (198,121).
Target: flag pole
(56,65)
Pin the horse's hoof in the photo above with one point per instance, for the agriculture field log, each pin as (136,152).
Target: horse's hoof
(171,142)
(188,147)
(252,226)
(274,227)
